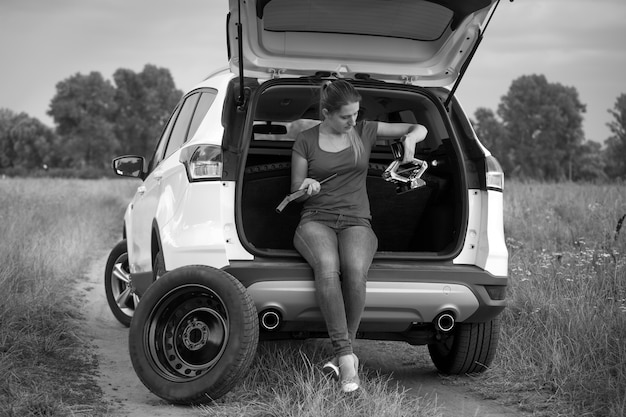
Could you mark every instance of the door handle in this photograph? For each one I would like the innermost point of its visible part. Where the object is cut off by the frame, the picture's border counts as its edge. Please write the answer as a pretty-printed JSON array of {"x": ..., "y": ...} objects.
[
  {"x": 141, "y": 189},
  {"x": 157, "y": 175}
]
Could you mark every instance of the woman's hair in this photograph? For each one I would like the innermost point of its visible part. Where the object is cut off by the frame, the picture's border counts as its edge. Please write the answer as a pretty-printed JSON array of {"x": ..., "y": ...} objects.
[{"x": 333, "y": 96}]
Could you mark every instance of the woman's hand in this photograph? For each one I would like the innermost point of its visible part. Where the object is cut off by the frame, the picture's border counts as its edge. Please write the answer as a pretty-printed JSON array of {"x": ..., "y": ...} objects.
[
  {"x": 412, "y": 138},
  {"x": 312, "y": 186}
]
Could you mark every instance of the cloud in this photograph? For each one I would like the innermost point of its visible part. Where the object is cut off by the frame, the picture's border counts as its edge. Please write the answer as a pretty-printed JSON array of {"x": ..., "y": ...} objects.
[{"x": 574, "y": 42}]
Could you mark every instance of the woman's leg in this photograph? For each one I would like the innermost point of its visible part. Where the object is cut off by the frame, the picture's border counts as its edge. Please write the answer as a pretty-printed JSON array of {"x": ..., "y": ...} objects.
[
  {"x": 357, "y": 246},
  {"x": 317, "y": 243}
]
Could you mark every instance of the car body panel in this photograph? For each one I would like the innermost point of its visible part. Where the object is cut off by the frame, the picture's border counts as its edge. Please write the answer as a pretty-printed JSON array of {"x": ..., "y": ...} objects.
[
  {"x": 484, "y": 244},
  {"x": 195, "y": 235},
  {"x": 492, "y": 254},
  {"x": 139, "y": 223},
  {"x": 398, "y": 293},
  {"x": 386, "y": 302},
  {"x": 420, "y": 42}
]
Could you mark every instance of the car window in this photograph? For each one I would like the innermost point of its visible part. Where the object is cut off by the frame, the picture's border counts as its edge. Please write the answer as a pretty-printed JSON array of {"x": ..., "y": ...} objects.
[
  {"x": 158, "y": 152},
  {"x": 204, "y": 104},
  {"x": 290, "y": 130},
  {"x": 181, "y": 125}
]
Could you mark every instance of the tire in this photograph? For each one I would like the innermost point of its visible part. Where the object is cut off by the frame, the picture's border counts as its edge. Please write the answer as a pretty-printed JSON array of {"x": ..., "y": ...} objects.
[
  {"x": 194, "y": 335},
  {"x": 470, "y": 349},
  {"x": 118, "y": 288}
]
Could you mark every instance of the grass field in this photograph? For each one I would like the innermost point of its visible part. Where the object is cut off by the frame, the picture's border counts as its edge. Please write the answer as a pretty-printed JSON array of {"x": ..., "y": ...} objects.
[
  {"x": 562, "y": 350},
  {"x": 563, "y": 346},
  {"x": 49, "y": 229}
]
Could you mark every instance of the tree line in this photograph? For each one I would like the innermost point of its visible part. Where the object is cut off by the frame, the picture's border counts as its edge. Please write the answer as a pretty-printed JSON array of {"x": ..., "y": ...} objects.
[
  {"x": 95, "y": 119},
  {"x": 536, "y": 131}
]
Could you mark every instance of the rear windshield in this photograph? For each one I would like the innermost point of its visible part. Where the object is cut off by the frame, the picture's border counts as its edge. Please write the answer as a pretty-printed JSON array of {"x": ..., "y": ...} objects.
[{"x": 282, "y": 112}]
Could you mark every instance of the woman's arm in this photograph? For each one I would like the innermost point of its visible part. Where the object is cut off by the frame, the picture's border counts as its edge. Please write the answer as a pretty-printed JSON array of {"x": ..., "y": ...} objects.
[
  {"x": 411, "y": 135},
  {"x": 299, "y": 179}
]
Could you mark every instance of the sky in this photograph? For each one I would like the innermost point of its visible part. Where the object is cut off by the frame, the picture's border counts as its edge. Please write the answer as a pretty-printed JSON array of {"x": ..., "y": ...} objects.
[{"x": 576, "y": 43}]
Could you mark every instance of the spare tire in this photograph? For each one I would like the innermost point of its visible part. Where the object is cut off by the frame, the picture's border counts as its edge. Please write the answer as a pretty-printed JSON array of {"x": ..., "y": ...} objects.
[{"x": 194, "y": 335}]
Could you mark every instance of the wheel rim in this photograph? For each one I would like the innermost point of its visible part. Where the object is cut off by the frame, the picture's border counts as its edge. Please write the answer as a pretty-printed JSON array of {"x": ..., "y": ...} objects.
[
  {"x": 122, "y": 287},
  {"x": 187, "y": 332}
]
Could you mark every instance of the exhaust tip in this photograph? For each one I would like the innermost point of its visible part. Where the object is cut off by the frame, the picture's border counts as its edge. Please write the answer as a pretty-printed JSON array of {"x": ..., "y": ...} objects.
[
  {"x": 444, "y": 322},
  {"x": 270, "y": 320}
]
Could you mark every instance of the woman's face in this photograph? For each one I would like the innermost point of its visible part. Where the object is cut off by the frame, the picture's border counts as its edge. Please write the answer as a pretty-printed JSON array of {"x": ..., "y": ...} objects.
[{"x": 344, "y": 119}]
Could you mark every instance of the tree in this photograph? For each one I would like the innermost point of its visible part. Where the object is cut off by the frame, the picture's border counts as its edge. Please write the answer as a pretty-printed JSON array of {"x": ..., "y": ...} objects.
[
  {"x": 25, "y": 142},
  {"x": 493, "y": 136},
  {"x": 544, "y": 123},
  {"x": 615, "y": 154},
  {"x": 7, "y": 152},
  {"x": 144, "y": 102},
  {"x": 83, "y": 109},
  {"x": 589, "y": 163}
]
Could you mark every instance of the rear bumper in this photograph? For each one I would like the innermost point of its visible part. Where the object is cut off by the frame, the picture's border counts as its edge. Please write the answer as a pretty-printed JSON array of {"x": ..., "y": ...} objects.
[{"x": 399, "y": 295}]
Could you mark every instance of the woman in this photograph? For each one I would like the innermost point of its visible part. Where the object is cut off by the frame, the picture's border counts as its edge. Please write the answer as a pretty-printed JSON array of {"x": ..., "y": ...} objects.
[{"x": 334, "y": 234}]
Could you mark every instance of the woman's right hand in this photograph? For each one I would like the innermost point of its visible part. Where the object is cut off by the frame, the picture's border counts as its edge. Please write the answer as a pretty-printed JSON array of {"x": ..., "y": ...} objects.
[{"x": 312, "y": 186}]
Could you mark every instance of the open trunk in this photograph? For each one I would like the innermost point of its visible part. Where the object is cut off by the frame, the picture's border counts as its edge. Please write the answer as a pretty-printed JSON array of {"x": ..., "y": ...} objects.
[{"x": 424, "y": 222}]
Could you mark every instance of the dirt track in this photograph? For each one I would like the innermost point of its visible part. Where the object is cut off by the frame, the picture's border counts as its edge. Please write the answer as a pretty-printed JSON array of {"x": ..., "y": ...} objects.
[{"x": 128, "y": 397}]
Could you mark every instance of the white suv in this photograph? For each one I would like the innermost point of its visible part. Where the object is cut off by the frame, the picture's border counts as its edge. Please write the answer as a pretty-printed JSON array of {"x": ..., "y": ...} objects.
[{"x": 212, "y": 260}]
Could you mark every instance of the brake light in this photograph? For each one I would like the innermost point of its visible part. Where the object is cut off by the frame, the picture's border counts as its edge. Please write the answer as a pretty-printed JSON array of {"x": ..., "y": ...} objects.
[
  {"x": 202, "y": 162},
  {"x": 494, "y": 174}
]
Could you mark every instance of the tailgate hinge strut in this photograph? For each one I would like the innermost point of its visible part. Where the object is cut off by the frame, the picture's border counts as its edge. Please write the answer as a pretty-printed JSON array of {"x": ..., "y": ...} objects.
[{"x": 242, "y": 96}]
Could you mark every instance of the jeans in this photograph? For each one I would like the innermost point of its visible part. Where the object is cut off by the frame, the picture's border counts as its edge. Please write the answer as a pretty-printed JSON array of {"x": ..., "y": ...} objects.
[{"x": 340, "y": 250}]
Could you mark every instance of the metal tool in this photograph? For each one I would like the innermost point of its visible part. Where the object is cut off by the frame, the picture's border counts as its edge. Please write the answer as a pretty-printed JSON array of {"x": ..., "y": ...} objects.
[{"x": 297, "y": 194}]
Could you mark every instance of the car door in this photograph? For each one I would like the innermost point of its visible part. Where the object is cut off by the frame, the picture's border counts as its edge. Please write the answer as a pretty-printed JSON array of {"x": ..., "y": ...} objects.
[{"x": 148, "y": 209}]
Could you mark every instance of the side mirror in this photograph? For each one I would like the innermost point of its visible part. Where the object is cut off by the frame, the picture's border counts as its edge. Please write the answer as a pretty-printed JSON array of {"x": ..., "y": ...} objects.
[{"x": 129, "y": 166}]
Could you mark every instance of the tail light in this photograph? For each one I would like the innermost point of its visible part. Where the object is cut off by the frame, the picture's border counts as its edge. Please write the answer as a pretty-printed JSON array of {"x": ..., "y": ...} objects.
[
  {"x": 202, "y": 162},
  {"x": 494, "y": 174}
]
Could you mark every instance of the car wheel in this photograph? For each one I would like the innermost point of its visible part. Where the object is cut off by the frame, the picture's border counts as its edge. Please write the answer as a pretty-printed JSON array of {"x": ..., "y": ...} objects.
[
  {"x": 470, "y": 348},
  {"x": 118, "y": 287},
  {"x": 194, "y": 335}
]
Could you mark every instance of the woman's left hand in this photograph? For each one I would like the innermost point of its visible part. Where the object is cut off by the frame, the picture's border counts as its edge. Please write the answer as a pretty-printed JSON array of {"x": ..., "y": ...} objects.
[{"x": 411, "y": 139}]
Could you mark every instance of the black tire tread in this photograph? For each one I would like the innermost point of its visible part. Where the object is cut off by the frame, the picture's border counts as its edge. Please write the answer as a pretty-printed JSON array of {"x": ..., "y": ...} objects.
[
  {"x": 116, "y": 252},
  {"x": 472, "y": 351}
]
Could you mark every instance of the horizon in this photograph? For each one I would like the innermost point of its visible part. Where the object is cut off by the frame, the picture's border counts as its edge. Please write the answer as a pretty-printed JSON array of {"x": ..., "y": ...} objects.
[{"x": 70, "y": 37}]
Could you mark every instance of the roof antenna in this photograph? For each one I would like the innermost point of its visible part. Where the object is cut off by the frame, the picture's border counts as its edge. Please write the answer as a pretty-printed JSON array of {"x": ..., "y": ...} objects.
[
  {"x": 241, "y": 98},
  {"x": 470, "y": 56}
]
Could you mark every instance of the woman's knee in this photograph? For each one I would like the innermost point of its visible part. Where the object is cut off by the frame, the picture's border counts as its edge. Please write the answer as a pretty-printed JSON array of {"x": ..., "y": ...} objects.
[{"x": 354, "y": 276}]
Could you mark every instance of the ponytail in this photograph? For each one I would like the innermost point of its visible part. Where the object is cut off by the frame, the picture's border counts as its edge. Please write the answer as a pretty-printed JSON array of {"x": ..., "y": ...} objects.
[{"x": 334, "y": 95}]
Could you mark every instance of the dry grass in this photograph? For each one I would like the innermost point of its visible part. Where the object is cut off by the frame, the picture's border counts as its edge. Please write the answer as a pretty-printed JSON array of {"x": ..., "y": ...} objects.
[
  {"x": 562, "y": 351},
  {"x": 49, "y": 230},
  {"x": 286, "y": 381},
  {"x": 563, "y": 347}
]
